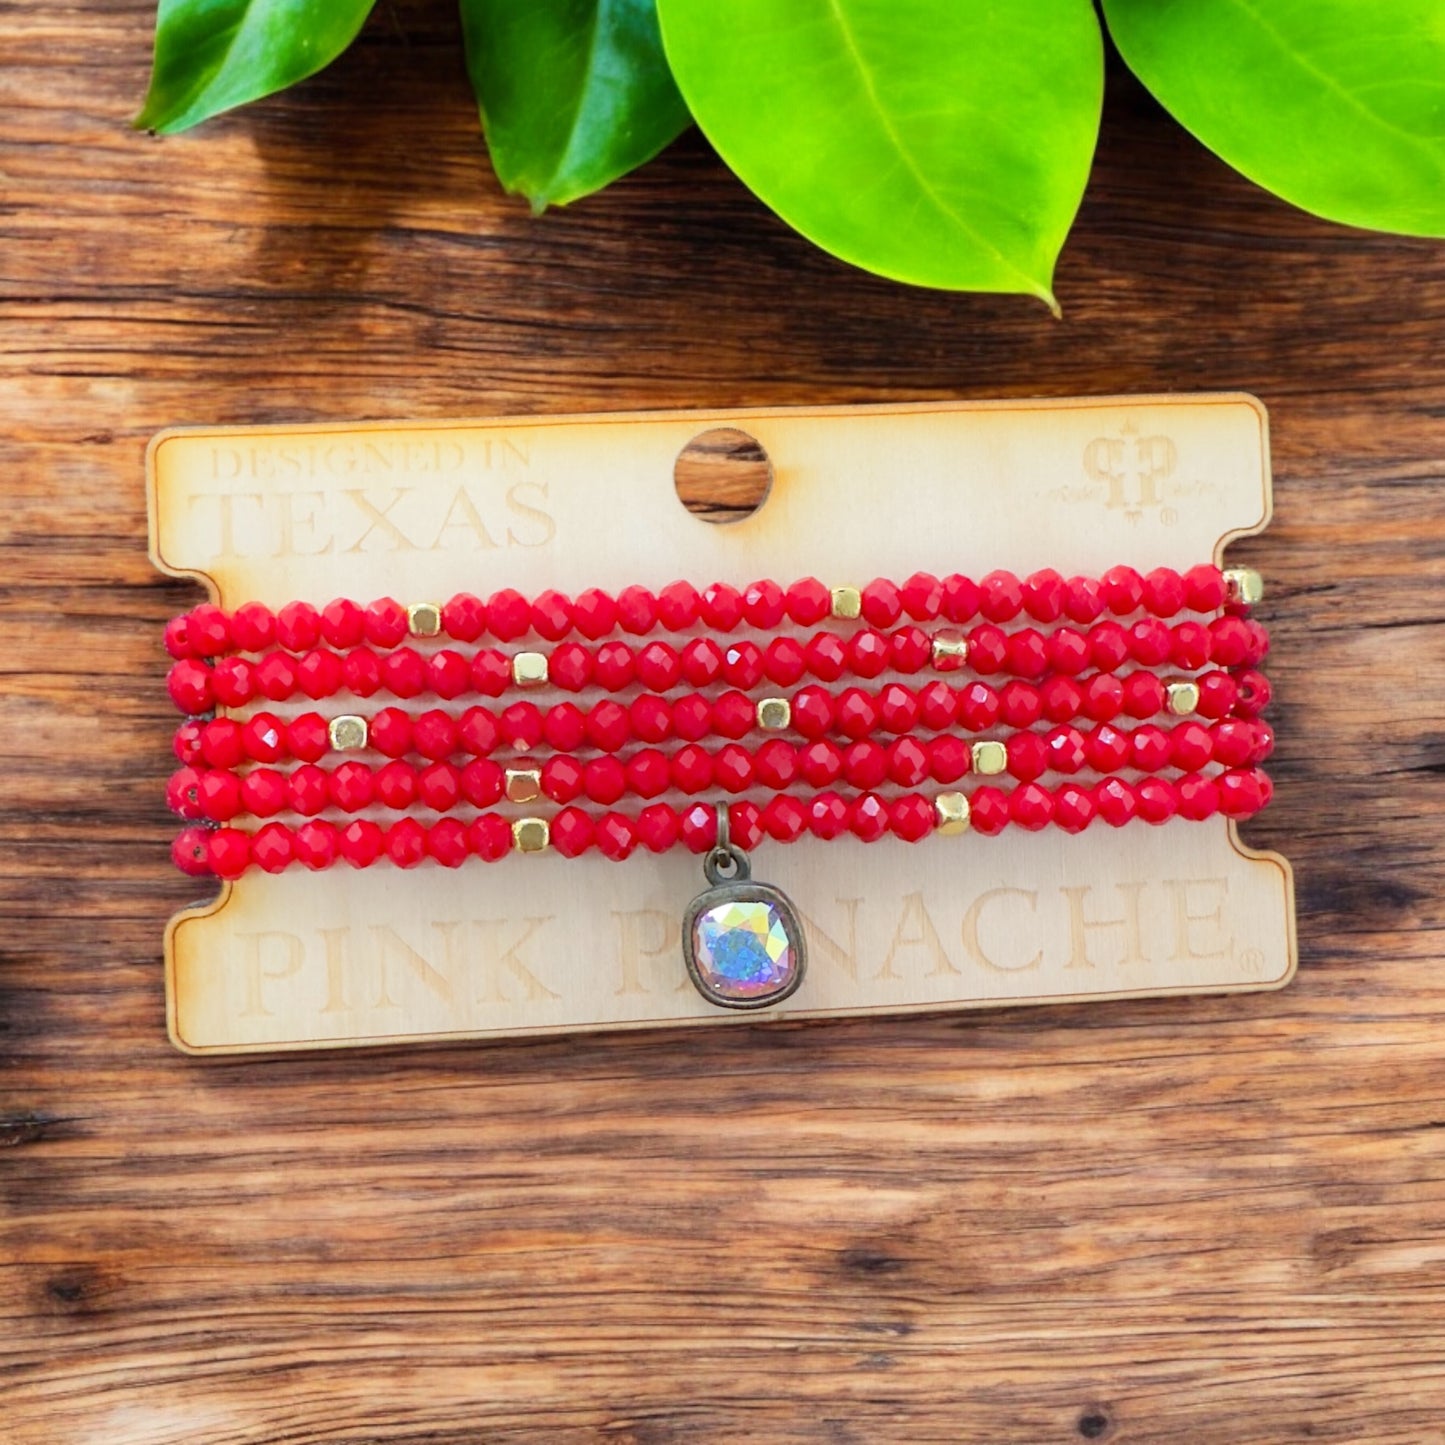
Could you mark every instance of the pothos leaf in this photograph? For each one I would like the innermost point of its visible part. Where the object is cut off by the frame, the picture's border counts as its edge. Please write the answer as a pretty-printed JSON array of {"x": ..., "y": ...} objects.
[
  {"x": 937, "y": 142},
  {"x": 1336, "y": 105},
  {"x": 212, "y": 55},
  {"x": 573, "y": 93}
]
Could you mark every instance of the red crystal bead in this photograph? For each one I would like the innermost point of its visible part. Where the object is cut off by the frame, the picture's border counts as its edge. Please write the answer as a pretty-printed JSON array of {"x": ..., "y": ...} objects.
[
  {"x": 1031, "y": 807},
  {"x": 479, "y": 731},
  {"x": 307, "y": 737},
  {"x": 604, "y": 780},
  {"x": 1108, "y": 646},
  {"x": 908, "y": 762},
  {"x": 276, "y": 676},
  {"x": 692, "y": 717},
  {"x": 183, "y": 794},
  {"x": 298, "y": 627},
  {"x": 808, "y": 601},
  {"x": 551, "y": 615},
  {"x": 1116, "y": 801},
  {"x": 386, "y": 622},
  {"x": 319, "y": 674},
  {"x": 307, "y": 790},
  {"x": 361, "y": 672},
  {"x": 1074, "y": 808},
  {"x": 1198, "y": 797},
  {"x": 987, "y": 649},
  {"x": 395, "y": 784},
  {"x": 1218, "y": 693},
  {"x": 490, "y": 837},
  {"x": 636, "y": 611},
  {"x": 699, "y": 827},
  {"x": 1068, "y": 651},
  {"x": 701, "y": 662},
  {"x": 491, "y": 672},
  {"x": 594, "y": 613},
  {"x": 1123, "y": 590},
  {"x": 937, "y": 705},
  {"x": 315, "y": 844},
  {"x": 1241, "y": 794},
  {"x": 223, "y": 743},
  {"x": 449, "y": 674},
  {"x": 360, "y": 842},
  {"x": 1001, "y": 597},
  {"x": 350, "y": 786},
  {"x": 406, "y": 843},
  {"x": 658, "y": 827},
  {"x": 616, "y": 836},
  {"x": 1232, "y": 742},
  {"x": 1028, "y": 757},
  {"x": 1020, "y": 704},
  {"x": 434, "y": 734},
  {"x": 464, "y": 618},
  {"x": 1108, "y": 748},
  {"x": 856, "y": 715},
  {"x": 1158, "y": 800},
  {"x": 948, "y": 759},
  {"x": 1150, "y": 748},
  {"x": 820, "y": 763},
  {"x": 189, "y": 684},
  {"x": 614, "y": 666},
  {"x": 721, "y": 607},
  {"x": 1231, "y": 641},
  {"x": 1190, "y": 645},
  {"x": 521, "y": 726},
  {"x": 979, "y": 707},
  {"x": 922, "y": 596},
  {"x": 659, "y": 667},
  {"x": 743, "y": 664},
  {"x": 390, "y": 732},
  {"x": 865, "y": 764},
  {"x": 784, "y": 819},
  {"x": 651, "y": 718},
  {"x": 508, "y": 615},
  {"x": 988, "y": 811},
  {"x": 571, "y": 832},
  {"x": 446, "y": 841},
  {"x": 208, "y": 631},
  {"x": 868, "y": 818},
  {"x": 897, "y": 709},
  {"x": 960, "y": 598},
  {"x": 1060, "y": 698},
  {"x": 187, "y": 742},
  {"x": 273, "y": 847},
  {"x": 691, "y": 768},
  {"x": 570, "y": 667},
  {"x": 647, "y": 773},
  {"x": 868, "y": 653},
  {"x": 253, "y": 627},
  {"x": 482, "y": 779},
  {"x": 1191, "y": 746},
  {"x": 233, "y": 682},
  {"x": 563, "y": 780},
  {"x": 1044, "y": 593},
  {"x": 404, "y": 672},
  {"x": 1083, "y": 599},
  {"x": 1164, "y": 592},
  {"x": 439, "y": 786},
  {"x": 228, "y": 851},
  {"x": 1203, "y": 588},
  {"x": 1103, "y": 697},
  {"x": 1150, "y": 641},
  {"x": 763, "y": 605},
  {"x": 1027, "y": 653},
  {"x": 343, "y": 623},
  {"x": 910, "y": 649},
  {"x": 733, "y": 715},
  {"x": 1252, "y": 693},
  {"x": 219, "y": 791},
  {"x": 732, "y": 768},
  {"x": 677, "y": 606},
  {"x": 827, "y": 656},
  {"x": 1144, "y": 694},
  {"x": 1066, "y": 749},
  {"x": 608, "y": 725},
  {"x": 882, "y": 603},
  {"x": 564, "y": 726},
  {"x": 828, "y": 816},
  {"x": 911, "y": 817},
  {"x": 784, "y": 662},
  {"x": 775, "y": 764}
]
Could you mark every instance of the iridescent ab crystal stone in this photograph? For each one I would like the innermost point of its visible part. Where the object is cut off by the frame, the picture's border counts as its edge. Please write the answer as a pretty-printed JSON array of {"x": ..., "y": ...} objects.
[{"x": 742, "y": 951}]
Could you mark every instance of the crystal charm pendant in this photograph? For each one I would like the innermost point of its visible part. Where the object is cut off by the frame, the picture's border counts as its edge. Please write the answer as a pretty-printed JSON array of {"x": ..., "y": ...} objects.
[{"x": 742, "y": 940}]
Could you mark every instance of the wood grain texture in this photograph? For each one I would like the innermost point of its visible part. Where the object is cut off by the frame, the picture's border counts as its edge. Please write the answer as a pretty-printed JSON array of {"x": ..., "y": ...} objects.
[{"x": 1214, "y": 1221}]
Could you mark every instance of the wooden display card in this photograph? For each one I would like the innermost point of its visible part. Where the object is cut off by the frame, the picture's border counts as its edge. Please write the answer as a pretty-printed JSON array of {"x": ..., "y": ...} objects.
[{"x": 544, "y": 944}]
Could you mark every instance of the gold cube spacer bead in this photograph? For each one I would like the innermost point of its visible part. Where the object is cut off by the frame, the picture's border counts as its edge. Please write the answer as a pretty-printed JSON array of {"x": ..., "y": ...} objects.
[
  {"x": 774, "y": 713},
  {"x": 952, "y": 812},
  {"x": 524, "y": 785},
  {"x": 424, "y": 619},
  {"x": 950, "y": 650},
  {"x": 348, "y": 733},
  {"x": 529, "y": 669},
  {"x": 1182, "y": 697},
  {"x": 531, "y": 835},
  {"x": 1243, "y": 586},
  {"x": 847, "y": 602},
  {"x": 989, "y": 757}
]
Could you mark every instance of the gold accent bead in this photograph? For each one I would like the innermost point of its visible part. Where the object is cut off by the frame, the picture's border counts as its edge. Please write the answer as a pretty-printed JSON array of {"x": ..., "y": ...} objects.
[
  {"x": 847, "y": 602},
  {"x": 348, "y": 733},
  {"x": 531, "y": 835},
  {"x": 774, "y": 713},
  {"x": 1243, "y": 586},
  {"x": 952, "y": 811},
  {"x": 950, "y": 650},
  {"x": 424, "y": 619},
  {"x": 1183, "y": 697},
  {"x": 529, "y": 669},
  {"x": 989, "y": 757},
  {"x": 524, "y": 785}
]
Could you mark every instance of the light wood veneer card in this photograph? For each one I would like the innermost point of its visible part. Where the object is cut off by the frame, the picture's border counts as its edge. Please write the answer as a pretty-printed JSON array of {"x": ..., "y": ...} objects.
[{"x": 543, "y": 944}]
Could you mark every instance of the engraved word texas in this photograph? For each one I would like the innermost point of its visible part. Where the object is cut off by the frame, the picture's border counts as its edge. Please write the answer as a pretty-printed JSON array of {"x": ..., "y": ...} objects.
[
  {"x": 343, "y": 495},
  {"x": 481, "y": 972}
]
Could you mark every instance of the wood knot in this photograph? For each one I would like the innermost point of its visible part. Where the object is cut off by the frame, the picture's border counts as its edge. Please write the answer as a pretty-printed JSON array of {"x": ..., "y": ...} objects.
[{"x": 1095, "y": 1423}]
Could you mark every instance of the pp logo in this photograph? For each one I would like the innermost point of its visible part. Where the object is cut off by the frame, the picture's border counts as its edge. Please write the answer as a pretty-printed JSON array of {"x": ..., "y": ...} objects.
[{"x": 1133, "y": 470}]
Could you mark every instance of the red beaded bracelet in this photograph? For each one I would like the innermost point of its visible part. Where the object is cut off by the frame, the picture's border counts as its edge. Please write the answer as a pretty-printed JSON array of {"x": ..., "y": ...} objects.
[
  {"x": 1045, "y": 596},
  {"x": 1229, "y": 641}
]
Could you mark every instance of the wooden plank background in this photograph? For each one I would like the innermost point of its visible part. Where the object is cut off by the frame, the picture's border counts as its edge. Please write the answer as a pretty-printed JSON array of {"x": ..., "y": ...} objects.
[{"x": 1213, "y": 1221}]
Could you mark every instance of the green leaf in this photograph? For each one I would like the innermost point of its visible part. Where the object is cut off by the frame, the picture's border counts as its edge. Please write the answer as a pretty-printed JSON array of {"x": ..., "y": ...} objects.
[
  {"x": 1336, "y": 105},
  {"x": 573, "y": 93},
  {"x": 215, "y": 54},
  {"x": 941, "y": 142}
]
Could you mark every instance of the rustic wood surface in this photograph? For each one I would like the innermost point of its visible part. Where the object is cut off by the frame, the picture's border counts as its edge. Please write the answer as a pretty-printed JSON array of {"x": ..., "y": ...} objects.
[{"x": 1213, "y": 1221}]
